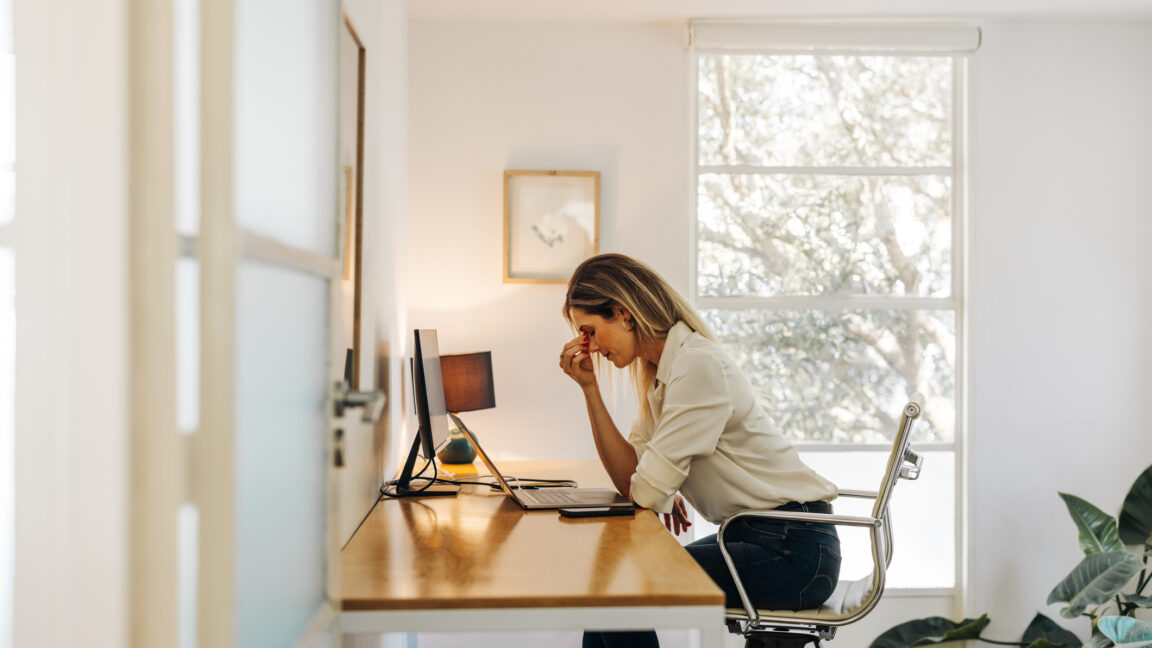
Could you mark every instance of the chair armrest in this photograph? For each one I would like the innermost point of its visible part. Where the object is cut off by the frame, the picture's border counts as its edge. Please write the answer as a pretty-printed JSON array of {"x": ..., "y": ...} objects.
[
  {"x": 849, "y": 492},
  {"x": 799, "y": 516},
  {"x": 803, "y": 516}
]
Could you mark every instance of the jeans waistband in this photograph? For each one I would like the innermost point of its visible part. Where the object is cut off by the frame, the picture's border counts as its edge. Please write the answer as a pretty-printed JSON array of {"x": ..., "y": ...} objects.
[{"x": 790, "y": 528}]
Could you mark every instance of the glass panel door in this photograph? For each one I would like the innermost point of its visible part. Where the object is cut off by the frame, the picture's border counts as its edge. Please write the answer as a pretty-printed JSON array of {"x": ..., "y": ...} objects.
[
  {"x": 285, "y": 184},
  {"x": 266, "y": 247}
]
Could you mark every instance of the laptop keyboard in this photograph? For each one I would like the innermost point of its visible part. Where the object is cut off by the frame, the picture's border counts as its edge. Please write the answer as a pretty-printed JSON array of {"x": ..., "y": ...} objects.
[{"x": 548, "y": 496}]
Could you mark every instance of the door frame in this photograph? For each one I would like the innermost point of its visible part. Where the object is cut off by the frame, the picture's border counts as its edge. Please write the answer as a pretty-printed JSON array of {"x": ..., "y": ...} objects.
[{"x": 70, "y": 238}]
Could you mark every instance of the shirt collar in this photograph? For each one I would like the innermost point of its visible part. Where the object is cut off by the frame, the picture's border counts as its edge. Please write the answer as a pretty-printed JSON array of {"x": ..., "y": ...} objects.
[{"x": 677, "y": 335}]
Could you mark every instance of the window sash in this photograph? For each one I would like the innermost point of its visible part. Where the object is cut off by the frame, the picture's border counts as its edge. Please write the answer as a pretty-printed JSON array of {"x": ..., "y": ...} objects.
[
  {"x": 952, "y": 302},
  {"x": 955, "y": 171}
]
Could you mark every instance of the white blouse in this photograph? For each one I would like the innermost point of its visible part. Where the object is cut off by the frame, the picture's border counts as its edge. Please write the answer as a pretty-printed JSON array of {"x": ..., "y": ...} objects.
[{"x": 711, "y": 440}]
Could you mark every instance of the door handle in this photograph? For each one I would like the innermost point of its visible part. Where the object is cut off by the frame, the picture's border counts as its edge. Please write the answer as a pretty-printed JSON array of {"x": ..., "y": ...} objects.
[{"x": 344, "y": 398}]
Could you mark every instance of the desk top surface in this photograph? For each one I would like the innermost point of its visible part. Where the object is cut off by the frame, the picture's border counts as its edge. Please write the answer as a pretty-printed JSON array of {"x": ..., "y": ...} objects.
[{"x": 480, "y": 550}]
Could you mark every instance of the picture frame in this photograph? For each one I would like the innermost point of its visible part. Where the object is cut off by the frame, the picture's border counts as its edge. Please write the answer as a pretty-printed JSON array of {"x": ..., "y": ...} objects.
[{"x": 551, "y": 224}]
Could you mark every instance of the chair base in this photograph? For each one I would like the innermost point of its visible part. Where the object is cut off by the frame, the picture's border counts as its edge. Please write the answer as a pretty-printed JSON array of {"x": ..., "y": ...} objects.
[
  {"x": 781, "y": 637},
  {"x": 780, "y": 641}
]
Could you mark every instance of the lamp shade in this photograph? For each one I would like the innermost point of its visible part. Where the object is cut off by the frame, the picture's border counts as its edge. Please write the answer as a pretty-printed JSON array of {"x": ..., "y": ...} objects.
[{"x": 468, "y": 381}]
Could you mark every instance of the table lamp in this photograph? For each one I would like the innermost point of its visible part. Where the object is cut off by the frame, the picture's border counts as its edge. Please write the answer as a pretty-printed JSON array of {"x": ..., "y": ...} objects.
[{"x": 467, "y": 387}]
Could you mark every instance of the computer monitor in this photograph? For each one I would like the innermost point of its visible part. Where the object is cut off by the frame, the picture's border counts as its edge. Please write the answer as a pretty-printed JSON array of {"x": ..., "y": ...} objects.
[{"x": 431, "y": 415}]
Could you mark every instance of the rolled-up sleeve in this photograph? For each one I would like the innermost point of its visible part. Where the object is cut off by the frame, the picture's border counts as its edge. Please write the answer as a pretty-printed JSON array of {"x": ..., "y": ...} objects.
[
  {"x": 639, "y": 435},
  {"x": 697, "y": 407}
]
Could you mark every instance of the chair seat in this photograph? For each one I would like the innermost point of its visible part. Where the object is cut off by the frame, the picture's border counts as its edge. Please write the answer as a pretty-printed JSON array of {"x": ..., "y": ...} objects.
[{"x": 846, "y": 600}]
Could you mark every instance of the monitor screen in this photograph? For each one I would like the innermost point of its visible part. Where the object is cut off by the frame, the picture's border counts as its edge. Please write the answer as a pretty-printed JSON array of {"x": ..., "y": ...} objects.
[
  {"x": 428, "y": 390},
  {"x": 432, "y": 418}
]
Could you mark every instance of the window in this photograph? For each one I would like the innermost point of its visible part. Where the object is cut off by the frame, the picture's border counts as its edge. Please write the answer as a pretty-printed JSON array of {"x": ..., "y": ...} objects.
[{"x": 827, "y": 261}]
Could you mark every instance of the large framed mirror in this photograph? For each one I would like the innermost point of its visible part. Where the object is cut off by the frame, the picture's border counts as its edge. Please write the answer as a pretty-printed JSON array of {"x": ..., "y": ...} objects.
[{"x": 352, "y": 59}]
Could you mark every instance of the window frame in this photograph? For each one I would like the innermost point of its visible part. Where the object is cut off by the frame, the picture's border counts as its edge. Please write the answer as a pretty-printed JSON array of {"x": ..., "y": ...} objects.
[{"x": 955, "y": 301}]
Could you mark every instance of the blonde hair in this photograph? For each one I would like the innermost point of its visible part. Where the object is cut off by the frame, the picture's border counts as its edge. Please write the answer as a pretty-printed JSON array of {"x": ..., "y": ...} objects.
[{"x": 603, "y": 282}]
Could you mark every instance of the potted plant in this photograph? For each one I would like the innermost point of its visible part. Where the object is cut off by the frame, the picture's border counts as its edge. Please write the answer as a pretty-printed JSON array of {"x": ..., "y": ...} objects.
[{"x": 1108, "y": 585}]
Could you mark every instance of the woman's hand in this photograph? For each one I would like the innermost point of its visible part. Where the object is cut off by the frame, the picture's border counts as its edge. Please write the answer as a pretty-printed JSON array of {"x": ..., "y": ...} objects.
[
  {"x": 577, "y": 362},
  {"x": 677, "y": 520}
]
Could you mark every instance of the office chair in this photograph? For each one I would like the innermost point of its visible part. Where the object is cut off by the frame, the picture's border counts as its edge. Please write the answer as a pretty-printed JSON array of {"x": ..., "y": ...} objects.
[{"x": 851, "y": 600}]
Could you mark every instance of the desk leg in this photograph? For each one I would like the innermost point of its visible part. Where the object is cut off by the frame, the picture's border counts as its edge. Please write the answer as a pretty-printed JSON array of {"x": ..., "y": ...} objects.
[{"x": 711, "y": 635}]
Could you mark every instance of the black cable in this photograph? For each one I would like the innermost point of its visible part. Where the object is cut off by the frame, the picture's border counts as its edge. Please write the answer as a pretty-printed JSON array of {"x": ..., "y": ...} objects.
[
  {"x": 542, "y": 482},
  {"x": 513, "y": 482},
  {"x": 429, "y": 481},
  {"x": 516, "y": 482}
]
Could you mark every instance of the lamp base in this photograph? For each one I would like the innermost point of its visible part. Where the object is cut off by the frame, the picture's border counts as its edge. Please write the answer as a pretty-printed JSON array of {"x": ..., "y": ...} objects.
[{"x": 457, "y": 450}]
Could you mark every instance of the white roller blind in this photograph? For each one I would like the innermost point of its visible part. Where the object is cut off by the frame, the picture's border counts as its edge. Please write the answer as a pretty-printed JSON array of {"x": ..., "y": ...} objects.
[{"x": 955, "y": 39}]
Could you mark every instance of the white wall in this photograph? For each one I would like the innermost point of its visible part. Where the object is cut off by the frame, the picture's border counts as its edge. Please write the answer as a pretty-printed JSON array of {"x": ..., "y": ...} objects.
[
  {"x": 486, "y": 97},
  {"x": 382, "y": 27},
  {"x": 1058, "y": 303},
  {"x": 1060, "y": 306}
]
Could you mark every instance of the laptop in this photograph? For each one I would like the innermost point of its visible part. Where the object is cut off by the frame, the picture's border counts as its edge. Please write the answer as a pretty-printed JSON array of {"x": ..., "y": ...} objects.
[{"x": 545, "y": 498}]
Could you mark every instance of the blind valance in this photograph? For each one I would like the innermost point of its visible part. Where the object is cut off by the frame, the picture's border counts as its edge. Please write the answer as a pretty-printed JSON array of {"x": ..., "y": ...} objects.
[{"x": 955, "y": 39}]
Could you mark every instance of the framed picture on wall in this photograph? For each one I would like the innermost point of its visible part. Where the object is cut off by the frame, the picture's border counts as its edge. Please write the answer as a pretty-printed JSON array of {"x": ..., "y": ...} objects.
[{"x": 551, "y": 224}]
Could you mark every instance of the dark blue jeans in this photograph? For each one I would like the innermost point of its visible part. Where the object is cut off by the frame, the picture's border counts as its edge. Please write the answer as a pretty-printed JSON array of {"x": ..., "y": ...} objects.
[{"x": 784, "y": 565}]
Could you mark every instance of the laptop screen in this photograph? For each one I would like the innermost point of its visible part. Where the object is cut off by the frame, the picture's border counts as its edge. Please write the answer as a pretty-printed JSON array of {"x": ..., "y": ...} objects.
[{"x": 483, "y": 455}]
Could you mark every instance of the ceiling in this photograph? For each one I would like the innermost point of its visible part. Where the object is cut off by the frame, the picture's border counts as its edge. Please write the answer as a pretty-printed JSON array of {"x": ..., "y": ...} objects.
[{"x": 657, "y": 10}]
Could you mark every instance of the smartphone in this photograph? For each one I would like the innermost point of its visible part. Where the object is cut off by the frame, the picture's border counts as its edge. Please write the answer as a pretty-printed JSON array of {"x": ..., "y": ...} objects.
[{"x": 597, "y": 511}]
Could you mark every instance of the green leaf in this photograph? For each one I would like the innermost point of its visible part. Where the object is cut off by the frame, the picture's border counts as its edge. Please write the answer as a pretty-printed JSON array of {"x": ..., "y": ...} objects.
[
  {"x": 1096, "y": 579},
  {"x": 1136, "y": 514},
  {"x": 1044, "y": 629},
  {"x": 1142, "y": 601},
  {"x": 1044, "y": 643},
  {"x": 1098, "y": 639},
  {"x": 1098, "y": 530},
  {"x": 1126, "y": 632},
  {"x": 931, "y": 630}
]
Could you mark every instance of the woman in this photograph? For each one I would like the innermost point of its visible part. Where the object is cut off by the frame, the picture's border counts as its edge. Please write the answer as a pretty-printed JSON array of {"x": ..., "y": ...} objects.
[{"x": 700, "y": 435}]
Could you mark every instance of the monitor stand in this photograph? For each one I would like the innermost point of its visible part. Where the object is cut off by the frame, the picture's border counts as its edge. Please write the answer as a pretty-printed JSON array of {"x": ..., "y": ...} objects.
[{"x": 403, "y": 487}]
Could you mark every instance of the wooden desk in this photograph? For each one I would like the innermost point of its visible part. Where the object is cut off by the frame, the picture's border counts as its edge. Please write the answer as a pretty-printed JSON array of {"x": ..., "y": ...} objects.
[{"x": 477, "y": 561}]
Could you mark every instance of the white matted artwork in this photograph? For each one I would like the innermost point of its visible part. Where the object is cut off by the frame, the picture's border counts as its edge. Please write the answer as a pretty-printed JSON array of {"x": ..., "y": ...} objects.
[{"x": 551, "y": 223}]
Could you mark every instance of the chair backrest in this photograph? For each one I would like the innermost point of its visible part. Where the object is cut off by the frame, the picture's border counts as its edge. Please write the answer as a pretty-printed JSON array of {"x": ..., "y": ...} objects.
[
  {"x": 855, "y": 599},
  {"x": 903, "y": 462}
]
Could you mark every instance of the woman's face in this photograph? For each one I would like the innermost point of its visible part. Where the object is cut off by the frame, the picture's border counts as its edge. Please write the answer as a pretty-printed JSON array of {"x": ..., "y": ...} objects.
[{"x": 612, "y": 338}]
